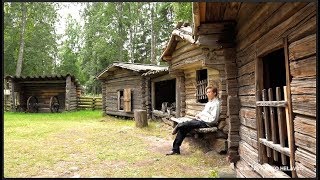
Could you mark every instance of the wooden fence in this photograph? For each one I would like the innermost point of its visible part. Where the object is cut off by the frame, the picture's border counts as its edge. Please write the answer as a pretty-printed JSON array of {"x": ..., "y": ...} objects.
[{"x": 89, "y": 103}]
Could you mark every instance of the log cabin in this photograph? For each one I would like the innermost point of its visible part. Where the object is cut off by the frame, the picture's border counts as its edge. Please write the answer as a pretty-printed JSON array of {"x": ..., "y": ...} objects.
[
  {"x": 270, "y": 69},
  {"x": 43, "y": 93},
  {"x": 129, "y": 86}
]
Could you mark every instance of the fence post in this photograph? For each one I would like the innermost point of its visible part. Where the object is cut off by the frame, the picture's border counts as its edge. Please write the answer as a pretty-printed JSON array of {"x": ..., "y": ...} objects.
[{"x": 93, "y": 103}]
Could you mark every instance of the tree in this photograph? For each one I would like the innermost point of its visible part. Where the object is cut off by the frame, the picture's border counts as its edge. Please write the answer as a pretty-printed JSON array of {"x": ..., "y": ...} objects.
[
  {"x": 36, "y": 46},
  {"x": 21, "y": 48},
  {"x": 182, "y": 11}
]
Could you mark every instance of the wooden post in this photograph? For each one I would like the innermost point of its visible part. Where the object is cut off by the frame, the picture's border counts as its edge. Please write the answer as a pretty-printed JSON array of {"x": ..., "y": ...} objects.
[
  {"x": 266, "y": 121},
  {"x": 258, "y": 84},
  {"x": 93, "y": 103},
  {"x": 68, "y": 93},
  {"x": 13, "y": 100},
  {"x": 104, "y": 97},
  {"x": 281, "y": 125},
  {"x": 140, "y": 117},
  {"x": 287, "y": 97},
  {"x": 273, "y": 125}
]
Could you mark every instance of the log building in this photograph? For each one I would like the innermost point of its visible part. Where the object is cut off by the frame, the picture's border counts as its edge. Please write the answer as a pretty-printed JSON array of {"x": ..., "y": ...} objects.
[
  {"x": 127, "y": 86},
  {"x": 263, "y": 58},
  {"x": 43, "y": 92}
]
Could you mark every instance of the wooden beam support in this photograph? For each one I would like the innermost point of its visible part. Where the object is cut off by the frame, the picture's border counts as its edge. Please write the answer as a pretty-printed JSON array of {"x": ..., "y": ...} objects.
[
  {"x": 277, "y": 147},
  {"x": 287, "y": 97},
  {"x": 272, "y": 103}
]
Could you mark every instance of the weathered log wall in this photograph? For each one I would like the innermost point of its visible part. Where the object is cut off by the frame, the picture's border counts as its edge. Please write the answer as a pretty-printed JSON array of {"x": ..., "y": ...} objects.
[
  {"x": 259, "y": 32},
  {"x": 123, "y": 79}
]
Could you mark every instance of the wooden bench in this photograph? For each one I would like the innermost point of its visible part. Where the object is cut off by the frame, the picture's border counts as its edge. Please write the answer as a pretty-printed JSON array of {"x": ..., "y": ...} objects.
[{"x": 199, "y": 130}]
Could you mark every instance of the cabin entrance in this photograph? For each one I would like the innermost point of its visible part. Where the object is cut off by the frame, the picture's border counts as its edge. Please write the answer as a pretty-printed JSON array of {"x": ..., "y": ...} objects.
[{"x": 164, "y": 92}]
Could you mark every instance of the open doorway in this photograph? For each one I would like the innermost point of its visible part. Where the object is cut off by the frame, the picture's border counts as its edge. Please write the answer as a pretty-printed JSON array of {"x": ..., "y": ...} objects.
[{"x": 165, "y": 91}]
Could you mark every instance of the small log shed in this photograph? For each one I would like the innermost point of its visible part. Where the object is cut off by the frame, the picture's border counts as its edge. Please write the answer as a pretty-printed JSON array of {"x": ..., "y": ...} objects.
[
  {"x": 127, "y": 86},
  {"x": 66, "y": 88},
  {"x": 269, "y": 68}
]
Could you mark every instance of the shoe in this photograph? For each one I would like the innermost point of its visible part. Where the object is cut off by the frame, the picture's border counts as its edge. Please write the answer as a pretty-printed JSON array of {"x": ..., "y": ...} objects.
[
  {"x": 173, "y": 153},
  {"x": 175, "y": 130}
]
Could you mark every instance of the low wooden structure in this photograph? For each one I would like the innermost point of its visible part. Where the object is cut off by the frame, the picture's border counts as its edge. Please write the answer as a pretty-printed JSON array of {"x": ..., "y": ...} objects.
[
  {"x": 127, "y": 86},
  {"x": 43, "y": 93},
  {"x": 268, "y": 75}
]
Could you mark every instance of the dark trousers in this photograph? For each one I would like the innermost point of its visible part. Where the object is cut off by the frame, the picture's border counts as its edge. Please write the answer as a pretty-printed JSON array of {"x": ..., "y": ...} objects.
[{"x": 183, "y": 129}]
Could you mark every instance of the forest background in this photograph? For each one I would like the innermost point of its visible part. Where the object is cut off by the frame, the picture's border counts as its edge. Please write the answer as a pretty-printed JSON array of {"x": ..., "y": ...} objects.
[{"x": 133, "y": 32}]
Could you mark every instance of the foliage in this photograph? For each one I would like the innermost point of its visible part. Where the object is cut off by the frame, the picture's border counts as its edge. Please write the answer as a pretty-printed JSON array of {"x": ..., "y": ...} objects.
[
  {"x": 112, "y": 31},
  {"x": 183, "y": 11},
  {"x": 40, "y": 37}
]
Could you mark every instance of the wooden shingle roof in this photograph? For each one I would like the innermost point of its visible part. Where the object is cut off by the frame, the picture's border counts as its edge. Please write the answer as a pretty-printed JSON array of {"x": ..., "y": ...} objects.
[
  {"x": 136, "y": 67},
  {"x": 43, "y": 78}
]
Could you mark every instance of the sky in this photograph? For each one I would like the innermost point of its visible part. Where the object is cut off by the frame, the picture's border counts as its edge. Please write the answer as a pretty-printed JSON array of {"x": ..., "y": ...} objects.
[{"x": 73, "y": 9}]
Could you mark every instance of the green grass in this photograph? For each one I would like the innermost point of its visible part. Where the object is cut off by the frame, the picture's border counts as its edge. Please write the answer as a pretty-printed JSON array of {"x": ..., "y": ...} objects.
[{"x": 86, "y": 144}]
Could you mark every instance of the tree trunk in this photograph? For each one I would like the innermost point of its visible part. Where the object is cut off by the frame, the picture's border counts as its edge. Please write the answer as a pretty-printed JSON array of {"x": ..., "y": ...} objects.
[
  {"x": 153, "y": 37},
  {"x": 23, "y": 28},
  {"x": 120, "y": 30}
]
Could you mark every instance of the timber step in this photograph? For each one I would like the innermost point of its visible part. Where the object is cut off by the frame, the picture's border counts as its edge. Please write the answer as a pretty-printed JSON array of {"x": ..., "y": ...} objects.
[{"x": 199, "y": 130}]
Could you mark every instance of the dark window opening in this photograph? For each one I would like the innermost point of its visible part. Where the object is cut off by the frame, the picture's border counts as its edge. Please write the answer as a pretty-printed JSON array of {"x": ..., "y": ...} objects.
[
  {"x": 165, "y": 91},
  {"x": 274, "y": 71},
  {"x": 274, "y": 75},
  {"x": 120, "y": 100},
  {"x": 202, "y": 82}
]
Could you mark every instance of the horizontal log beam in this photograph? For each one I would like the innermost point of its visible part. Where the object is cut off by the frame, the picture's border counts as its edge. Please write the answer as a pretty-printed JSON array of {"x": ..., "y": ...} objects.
[
  {"x": 277, "y": 147},
  {"x": 272, "y": 103}
]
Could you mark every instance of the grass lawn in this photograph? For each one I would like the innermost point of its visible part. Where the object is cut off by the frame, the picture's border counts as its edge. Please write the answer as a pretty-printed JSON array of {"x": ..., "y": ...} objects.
[{"x": 85, "y": 144}]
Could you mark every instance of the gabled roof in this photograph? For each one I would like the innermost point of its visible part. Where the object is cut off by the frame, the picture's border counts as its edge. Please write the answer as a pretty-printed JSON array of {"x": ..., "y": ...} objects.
[{"x": 136, "y": 67}]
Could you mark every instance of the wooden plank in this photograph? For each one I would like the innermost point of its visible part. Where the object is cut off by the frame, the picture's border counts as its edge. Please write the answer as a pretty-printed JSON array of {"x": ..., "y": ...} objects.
[
  {"x": 275, "y": 147},
  {"x": 246, "y": 80},
  {"x": 267, "y": 171},
  {"x": 304, "y": 104},
  {"x": 303, "y": 48},
  {"x": 248, "y": 117},
  {"x": 305, "y": 125},
  {"x": 259, "y": 16},
  {"x": 305, "y": 142},
  {"x": 306, "y": 158},
  {"x": 247, "y": 90},
  {"x": 272, "y": 103},
  {"x": 301, "y": 86},
  {"x": 186, "y": 48},
  {"x": 248, "y": 153},
  {"x": 273, "y": 23},
  {"x": 231, "y": 11},
  {"x": 281, "y": 125},
  {"x": 303, "y": 172},
  {"x": 245, "y": 12},
  {"x": 306, "y": 27},
  {"x": 303, "y": 68},
  {"x": 288, "y": 109},
  {"x": 273, "y": 124},
  {"x": 246, "y": 169},
  {"x": 127, "y": 100},
  {"x": 273, "y": 39},
  {"x": 249, "y": 136},
  {"x": 267, "y": 129},
  {"x": 247, "y": 101},
  {"x": 258, "y": 86}
]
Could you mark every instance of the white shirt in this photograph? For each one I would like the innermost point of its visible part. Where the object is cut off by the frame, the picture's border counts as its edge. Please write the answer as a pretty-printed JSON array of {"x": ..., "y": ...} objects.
[{"x": 211, "y": 112}]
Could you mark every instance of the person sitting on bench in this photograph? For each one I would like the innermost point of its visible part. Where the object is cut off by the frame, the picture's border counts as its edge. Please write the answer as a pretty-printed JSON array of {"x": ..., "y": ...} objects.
[{"x": 206, "y": 118}]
